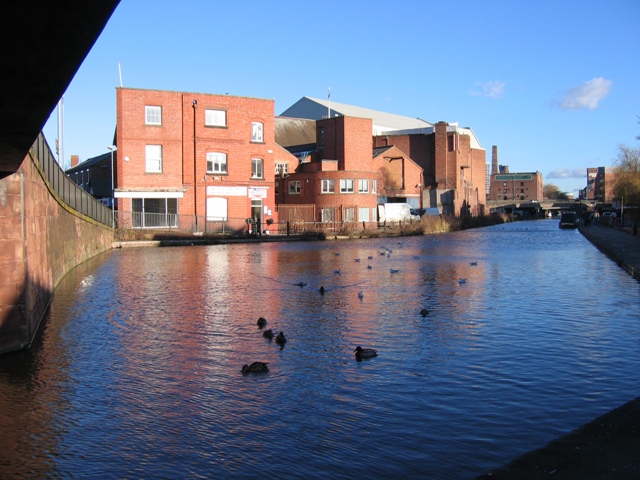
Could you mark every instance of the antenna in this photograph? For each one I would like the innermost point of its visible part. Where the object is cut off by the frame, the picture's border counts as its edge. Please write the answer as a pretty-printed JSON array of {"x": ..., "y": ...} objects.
[{"x": 120, "y": 73}]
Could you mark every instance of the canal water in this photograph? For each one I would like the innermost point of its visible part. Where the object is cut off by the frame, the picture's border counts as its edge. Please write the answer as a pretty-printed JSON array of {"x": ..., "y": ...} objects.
[{"x": 136, "y": 373}]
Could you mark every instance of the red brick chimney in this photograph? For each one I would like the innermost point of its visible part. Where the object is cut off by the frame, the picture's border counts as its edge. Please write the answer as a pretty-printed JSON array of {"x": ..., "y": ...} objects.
[
  {"x": 75, "y": 160},
  {"x": 494, "y": 160}
]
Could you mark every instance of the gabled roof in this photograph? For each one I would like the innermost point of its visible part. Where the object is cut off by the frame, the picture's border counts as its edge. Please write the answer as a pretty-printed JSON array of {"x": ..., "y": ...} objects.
[
  {"x": 88, "y": 163},
  {"x": 295, "y": 131},
  {"x": 380, "y": 150},
  {"x": 316, "y": 109},
  {"x": 383, "y": 123}
]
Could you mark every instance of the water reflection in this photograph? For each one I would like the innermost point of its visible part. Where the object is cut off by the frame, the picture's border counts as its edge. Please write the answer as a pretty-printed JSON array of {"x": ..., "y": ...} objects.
[{"x": 137, "y": 373}]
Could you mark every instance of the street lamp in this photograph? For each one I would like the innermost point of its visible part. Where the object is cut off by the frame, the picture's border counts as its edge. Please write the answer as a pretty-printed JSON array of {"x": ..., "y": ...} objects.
[{"x": 113, "y": 148}]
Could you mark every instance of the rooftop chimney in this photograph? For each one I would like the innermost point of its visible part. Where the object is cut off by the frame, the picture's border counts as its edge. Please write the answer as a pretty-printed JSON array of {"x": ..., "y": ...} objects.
[
  {"x": 75, "y": 160},
  {"x": 494, "y": 160}
]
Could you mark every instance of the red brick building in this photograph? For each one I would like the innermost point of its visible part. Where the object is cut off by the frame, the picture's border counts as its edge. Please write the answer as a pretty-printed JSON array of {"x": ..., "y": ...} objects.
[
  {"x": 345, "y": 178},
  {"x": 194, "y": 158},
  {"x": 516, "y": 187},
  {"x": 452, "y": 160}
]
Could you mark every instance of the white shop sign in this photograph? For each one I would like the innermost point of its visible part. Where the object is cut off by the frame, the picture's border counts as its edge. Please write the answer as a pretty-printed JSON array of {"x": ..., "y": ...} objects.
[{"x": 227, "y": 191}]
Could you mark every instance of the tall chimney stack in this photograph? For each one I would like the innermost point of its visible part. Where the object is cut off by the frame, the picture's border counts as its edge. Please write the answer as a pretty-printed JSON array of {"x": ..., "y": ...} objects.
[
  {"x": 75, "y": 159},
  {"x": 494, "y": 160}
]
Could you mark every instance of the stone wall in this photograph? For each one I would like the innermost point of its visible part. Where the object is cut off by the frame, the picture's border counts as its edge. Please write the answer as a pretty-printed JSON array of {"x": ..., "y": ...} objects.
[{"x": 41, "y": 239}]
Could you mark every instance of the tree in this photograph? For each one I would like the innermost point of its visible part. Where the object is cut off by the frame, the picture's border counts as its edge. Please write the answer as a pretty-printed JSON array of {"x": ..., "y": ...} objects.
[
  {"x": 552, "y": 192},
  {"x": 626, "y": 181}
]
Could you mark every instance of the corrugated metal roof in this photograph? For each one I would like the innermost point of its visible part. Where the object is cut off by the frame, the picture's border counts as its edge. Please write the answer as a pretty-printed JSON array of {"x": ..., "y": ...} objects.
[{"x": 295, "y": 131}]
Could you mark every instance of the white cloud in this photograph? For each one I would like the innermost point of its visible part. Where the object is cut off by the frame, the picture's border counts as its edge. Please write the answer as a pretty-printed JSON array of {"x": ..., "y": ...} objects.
[
  {"x": 563, "y": 173},
  {"x": 587, "y": 95},
  {"x": 488, "y": 89}
]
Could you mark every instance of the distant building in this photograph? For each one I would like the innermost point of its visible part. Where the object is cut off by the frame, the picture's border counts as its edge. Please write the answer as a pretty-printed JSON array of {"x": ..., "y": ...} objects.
[
  {"x": 452, "y": 159},
  {"x": 599, "y": 185},
  {"x": 93, "y": 176},
  {"x": 516, "y": 187}
]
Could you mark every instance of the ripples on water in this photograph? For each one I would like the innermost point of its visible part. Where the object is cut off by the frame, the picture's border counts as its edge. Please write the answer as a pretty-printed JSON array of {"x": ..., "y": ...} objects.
[{"x": 137, "y": 371}]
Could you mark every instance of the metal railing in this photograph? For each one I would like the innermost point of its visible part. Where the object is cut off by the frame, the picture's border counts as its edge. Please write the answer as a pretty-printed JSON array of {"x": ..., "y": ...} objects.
[{"x": 65, "y": 189}]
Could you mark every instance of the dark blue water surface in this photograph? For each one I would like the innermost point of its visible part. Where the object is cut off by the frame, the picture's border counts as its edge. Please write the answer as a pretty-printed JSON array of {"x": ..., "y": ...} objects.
[{"x": 137, "y": 370}]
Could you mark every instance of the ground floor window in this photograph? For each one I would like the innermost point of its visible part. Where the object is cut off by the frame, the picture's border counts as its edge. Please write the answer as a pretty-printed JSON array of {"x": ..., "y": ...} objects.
[
  {"x": 154, "y": 212},
  {"x": 328, "y": 215},
  {"x": 349, "y": 214},
  {"x": 363, "y": 214}
]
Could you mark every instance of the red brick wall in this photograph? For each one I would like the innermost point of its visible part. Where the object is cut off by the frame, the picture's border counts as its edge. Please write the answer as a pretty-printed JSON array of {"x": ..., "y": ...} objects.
[{"x": 39, "y": 243}]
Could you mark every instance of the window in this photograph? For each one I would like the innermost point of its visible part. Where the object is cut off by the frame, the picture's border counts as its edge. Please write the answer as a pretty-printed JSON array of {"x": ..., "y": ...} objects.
[
  {"x": 374, "y": 187},
  {"x": 215, "y": 118},
  {"x": 363, "y": 214},
  {"x": 216, "y": 162},
  {"x": 294, "y": 186},
  {"x": 155, "y": 212},
  {"x": 257, "y": 168},
  {"x": 346, "y": 185},
  {"x": 363, "y": 186},
  {"x": 154, "y": 158},
  {"x": 328, "y": 185},
  {"x": 328, "y": 215},
  {"x": 282, "y": 168},
  {"x": 349, "y": 214},
  {"x": 152, "y": 115},
  {"x": 374, "y": 214},
  {"x": 257, "y": 130}
]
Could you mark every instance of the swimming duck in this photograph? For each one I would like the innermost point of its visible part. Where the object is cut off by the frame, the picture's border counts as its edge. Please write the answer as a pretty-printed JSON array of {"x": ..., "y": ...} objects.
[
  {"x": 365, "y": 353},
  {"x": 370, "y": 257},
  {"x": 360, "y": 295},
  {"x": 462, "y": 280},
  {"x": 268, "y": 334},
  {"x": 474, "y": 264},
  {"x": 255, "y": 367},
  {"x": 281, "y": 339},
  {"x": 424, "y": 312},
  {"x": 337, "y": 272},
  {"x": 393, "y": 270},
  {"x": 322, "y": 290},
  {"x": 369, "y": 267},
  {"x": 262, "y": 322},
  {"x": 301, "y": 284}
]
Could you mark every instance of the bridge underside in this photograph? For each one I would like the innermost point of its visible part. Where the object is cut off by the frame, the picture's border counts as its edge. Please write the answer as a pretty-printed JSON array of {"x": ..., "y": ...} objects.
[{"x": 43, "y": 45}]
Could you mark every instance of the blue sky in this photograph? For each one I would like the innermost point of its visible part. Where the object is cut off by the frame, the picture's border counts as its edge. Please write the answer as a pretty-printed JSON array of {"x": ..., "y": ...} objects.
[{"x": 554, "y": 84}]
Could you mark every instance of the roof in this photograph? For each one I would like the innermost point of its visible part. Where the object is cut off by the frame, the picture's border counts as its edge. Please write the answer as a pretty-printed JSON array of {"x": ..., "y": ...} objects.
[
  {"x": 295, "y": 131},
  {"x": 88, "y": 163},
  {"x": 316, "y": 109},
  {"x": 380, "y": 150},
  {"x": 383, "y": 123}
]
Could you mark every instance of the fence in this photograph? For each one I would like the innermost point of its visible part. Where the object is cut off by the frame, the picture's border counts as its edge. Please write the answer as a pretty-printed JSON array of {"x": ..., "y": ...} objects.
[{"x": 65, "y": 189}]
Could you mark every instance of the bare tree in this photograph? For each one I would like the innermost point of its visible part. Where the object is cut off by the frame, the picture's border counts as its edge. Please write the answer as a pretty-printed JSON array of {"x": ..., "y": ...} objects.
[
  {"x": 626, "y": 183},
  {"x": 552, "y": 192}
]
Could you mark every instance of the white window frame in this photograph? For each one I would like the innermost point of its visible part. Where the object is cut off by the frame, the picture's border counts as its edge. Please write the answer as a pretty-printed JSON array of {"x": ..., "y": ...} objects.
[
  {"x": 374, "y": 186},
  {"x": 152, "y": 115},
  {"x": 257, "y": 168},
  {"x": 346, "y": 185},
  {"x": 363, "y": 214},
  {"x": 328, "y": 185},
  {"x": 363, "y": 185},
  {"x": 282, "y": 168},
  {"x": 153, "y": 158},
  {"x": 294, "y": 187},
  {"x": 216, "y": 163},
  {"x": 215, "y": 118},
  {"x": 350, "y": 214},
  {"x": 328, "y": 215},
  {"x": 374, "y": 213},
  {"x": 257, "y": 132}
]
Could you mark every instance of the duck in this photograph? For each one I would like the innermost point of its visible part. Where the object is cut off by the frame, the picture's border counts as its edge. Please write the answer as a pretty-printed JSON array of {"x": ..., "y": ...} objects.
[
  {"x": 473, "y": 264},
  {"x": 281, "y": 339},
  {"x": 262, "y": 322},
  {"x": 370, "y": 257},
  {"x": 301, "y": 284},
  {"x": 424, "y": 312},
  {"x": 357, "y": 260},
  {"x": 393, "y": 270},
  {"x": 255, "y": 367},
  {"x": 462, "y": 280},
  {"x": 365, "y": 353},
  {"x": 360, "y": 295},
  {"x": 268, "y": 334},
  {"x": 337, "y": 272},
  {"x": 369, "y": 267},
  {"x": 322, "y": 290}
]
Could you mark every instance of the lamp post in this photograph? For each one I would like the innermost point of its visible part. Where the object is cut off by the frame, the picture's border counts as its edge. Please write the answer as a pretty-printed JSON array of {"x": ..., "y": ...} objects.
[{"x": 113, "y": 148}]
